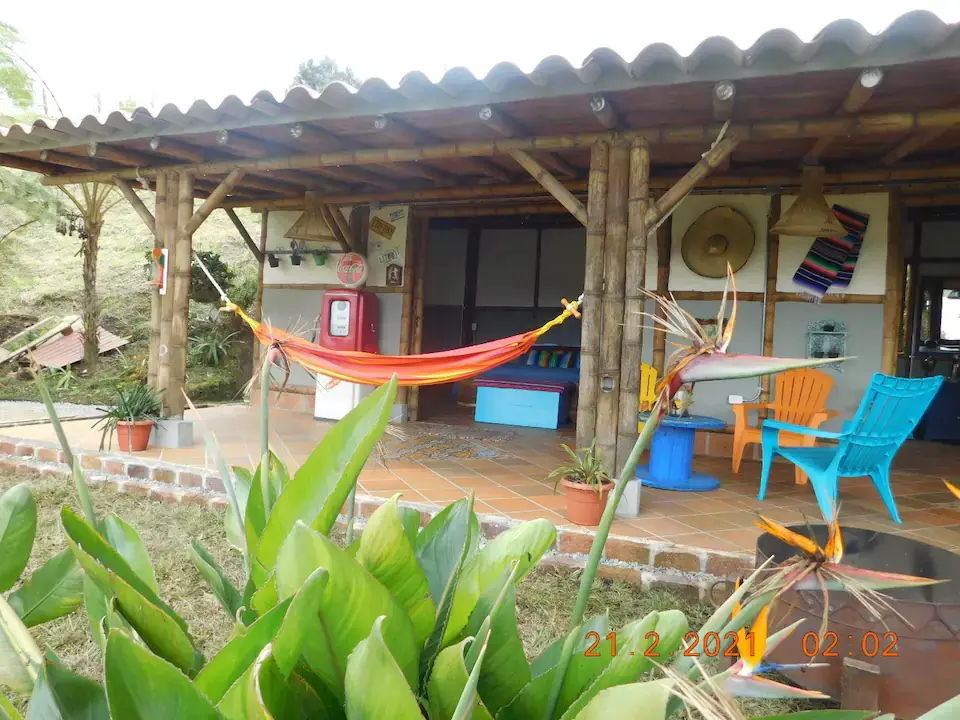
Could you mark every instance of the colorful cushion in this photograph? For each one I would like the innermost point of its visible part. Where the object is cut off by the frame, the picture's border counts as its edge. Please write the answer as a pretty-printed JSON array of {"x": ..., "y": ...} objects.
[
  {"x": 544, "y": 358},
  {"x": 555, "y": 359},
  {"x": 532, "y": 357}
]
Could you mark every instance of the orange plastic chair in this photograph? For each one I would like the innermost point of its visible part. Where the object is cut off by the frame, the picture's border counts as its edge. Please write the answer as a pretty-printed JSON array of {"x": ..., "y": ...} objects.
[{"x": 800, "y": 399}]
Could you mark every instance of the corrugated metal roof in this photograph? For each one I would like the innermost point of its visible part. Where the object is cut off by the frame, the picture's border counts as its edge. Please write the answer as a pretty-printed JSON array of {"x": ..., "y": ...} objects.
[
  {"x": 68, "y": 349},
  {"x": 913, "y": 37}
]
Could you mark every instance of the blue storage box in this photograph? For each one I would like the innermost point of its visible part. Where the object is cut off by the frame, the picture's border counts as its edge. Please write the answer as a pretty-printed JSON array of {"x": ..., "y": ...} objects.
[{"x": 545, "y": 405}]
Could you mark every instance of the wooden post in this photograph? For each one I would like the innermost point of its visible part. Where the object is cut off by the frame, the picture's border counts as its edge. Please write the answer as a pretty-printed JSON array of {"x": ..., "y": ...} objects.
[
  {"x": 592, "y": 290},
  {"x": 166, "y": 307},
  {"x": 414, "y": 224},
  {"x": 345, "y": 230},
  {"x": 614, "y": 278},
  {"x": 770, "y": 311},
  {"x": 212, "y": 202},
  {"x": 639, "y": 193},
  {"x": 160, "y": 214},
  {"x": 244, "y": 234},
  {"x": 551, "y": 185},
  {"x": 664, "y": 248},
  {"x": 264, "y": 217},
  {"x": 173, "y": 396},
  {"x": 893, "y": 297},
  {"x": 326, "y": 212},
  {"x": 420, "y": 252}
]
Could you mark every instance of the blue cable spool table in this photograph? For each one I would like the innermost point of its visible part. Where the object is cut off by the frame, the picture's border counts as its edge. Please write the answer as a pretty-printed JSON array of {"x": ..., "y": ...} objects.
[{"x": 671, "y": 454}]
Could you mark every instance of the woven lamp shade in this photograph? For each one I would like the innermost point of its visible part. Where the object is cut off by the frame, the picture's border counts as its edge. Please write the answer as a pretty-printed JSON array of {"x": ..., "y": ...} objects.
[
  {"x": 311, "y": 226},
  {"x": 719, "y": 237},
  {"x": 810, "y": 216}
]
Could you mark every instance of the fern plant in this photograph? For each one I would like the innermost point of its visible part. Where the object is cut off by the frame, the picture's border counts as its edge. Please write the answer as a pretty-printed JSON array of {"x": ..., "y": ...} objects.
[{"x": 211, "y": 349}]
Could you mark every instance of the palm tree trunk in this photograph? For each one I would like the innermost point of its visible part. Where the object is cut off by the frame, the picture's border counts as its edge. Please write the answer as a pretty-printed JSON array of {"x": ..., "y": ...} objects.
[{"x": 90, "y": 307}]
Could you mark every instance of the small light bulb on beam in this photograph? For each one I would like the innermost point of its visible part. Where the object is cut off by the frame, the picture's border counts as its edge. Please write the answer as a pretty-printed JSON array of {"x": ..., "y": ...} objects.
[
  {"x": 296, "y": 131},
  {"x": 223, "y": 137},
  {"x": 92, "y": 149},
  {"x": 486, "y": 112},
  {"x": 154, "y": 143},
  {"x": 380, "y": 122},
  {"x": 44, "y": 154},
  {"x": 871, "y": 77},
  {"x": 724, "y": 90},
  {"x": 598, "y": 103}
]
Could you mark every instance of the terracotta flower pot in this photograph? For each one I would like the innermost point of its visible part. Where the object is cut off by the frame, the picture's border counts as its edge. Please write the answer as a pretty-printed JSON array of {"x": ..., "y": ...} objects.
[
  {"x": 584, "y": 504},
  {"x": 134, "y": 436}
]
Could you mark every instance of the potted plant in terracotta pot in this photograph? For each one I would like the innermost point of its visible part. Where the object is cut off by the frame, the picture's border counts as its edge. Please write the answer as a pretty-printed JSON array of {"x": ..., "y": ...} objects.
[
  {"x": 133, "y": 415},
  {"x": 587, "y": 485}
]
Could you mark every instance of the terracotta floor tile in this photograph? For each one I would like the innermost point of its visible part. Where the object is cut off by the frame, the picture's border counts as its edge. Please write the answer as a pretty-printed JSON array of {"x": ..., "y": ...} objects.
[
  {"x": 512, "y": 505},
  {"x": 533, "y": 490},
  {"x": 510, "y": 480},
  {"x": 554, "y": 502},
  {"x": 701, "y": 540},
  {"x": 491, "y": 492},
  {"x": 626, "y": 529},
  {"x": 745, "y": 539},
  {"x": 389, "y": 484},
  {"x": 553, "y": 517},
  {"x": 450, "y": 495},
  {"x": 662, "y": 526},
  {"x": 473, "y": 481},
  {"x": 434, "y": 483},
  {"x": 708, "y": 523},
  {"x": 932, "y": 516},
  {"x": 947, "y": 535}
]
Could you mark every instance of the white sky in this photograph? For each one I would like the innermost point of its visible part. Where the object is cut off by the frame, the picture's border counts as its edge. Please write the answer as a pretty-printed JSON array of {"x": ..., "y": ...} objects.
[{"x": 202, "y": 49}]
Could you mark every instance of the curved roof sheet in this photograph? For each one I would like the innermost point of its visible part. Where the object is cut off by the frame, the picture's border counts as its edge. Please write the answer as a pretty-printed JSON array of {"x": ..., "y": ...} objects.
[{"x": 915, "y": 36}]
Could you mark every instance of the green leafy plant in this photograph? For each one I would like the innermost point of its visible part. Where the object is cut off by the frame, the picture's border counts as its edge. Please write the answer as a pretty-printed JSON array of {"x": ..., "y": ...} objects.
[
  {"x": 404, "y": 622},
  {"x": 212, "y": 348},
  {"x": 585, "y": 467},
  {"x": 64, "y": 378},
  {"x": 131, "y": 405},
  {"x": 201, "y": 289}
]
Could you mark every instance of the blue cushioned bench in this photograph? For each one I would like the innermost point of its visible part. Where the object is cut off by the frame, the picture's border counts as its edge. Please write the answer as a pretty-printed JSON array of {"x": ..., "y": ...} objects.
[{"x": 528, "y": 404}]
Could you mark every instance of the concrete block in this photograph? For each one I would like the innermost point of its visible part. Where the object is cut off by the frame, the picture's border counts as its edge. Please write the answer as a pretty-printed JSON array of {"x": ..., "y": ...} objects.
[
  {"x": 172, "y": 433},
  {"x": 630, "y": 501}
]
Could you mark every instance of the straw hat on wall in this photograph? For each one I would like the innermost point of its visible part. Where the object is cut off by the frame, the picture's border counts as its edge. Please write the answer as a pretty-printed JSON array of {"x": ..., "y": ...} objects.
[{"x": 719, "y": 236}]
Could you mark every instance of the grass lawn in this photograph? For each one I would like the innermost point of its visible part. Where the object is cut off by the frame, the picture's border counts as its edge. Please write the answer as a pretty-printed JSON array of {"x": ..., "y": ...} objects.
[{"x": 544, "y": 598}]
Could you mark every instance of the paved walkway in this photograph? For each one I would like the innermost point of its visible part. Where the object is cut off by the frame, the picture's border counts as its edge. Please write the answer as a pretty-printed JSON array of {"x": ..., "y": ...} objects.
[{"x": 21, "y": 412}]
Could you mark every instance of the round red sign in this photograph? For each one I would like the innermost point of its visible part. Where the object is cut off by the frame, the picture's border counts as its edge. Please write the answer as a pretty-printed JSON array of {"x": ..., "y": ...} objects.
[{"x": 352, "y": 270}]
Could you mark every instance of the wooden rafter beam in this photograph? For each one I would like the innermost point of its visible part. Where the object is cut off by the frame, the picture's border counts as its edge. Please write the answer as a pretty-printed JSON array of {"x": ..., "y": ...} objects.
[
  {"x": 422, "y": 137},
  {"x": 766, "y": 130},
  {"x": 857, "y": 96},
  {"x": 59, "y": 158},
  {"x": 213, "y": 201},
  {"x": 245, "y": 236},
  {"x": 177, "y": 149},
  {"x": 551, "y": 185},
  {"x": 911, "y": 145},
  {"x": 604, "y": 112},
  {"x": 506, "y": 126},
  {"x": 130, "y": 194},
  {"x": 241, "y": 145},
  {"x": 327, "y": 214},
  {"x": 23, "y": 163},
  {"x": 117, "y": 155}
]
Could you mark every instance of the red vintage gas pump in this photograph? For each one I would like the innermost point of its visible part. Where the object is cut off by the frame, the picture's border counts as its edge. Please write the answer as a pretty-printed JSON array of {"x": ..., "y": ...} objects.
[{"x": 349, "y": 319}]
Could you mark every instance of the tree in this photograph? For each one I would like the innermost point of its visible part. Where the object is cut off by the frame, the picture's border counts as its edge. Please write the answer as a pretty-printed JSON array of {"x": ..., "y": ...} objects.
[
  {"x": 93, "y": 202},
  {"x": 31, "y": 201},
  {"x": 317, "y": 75},
  {"x": 15, "y": 81}
]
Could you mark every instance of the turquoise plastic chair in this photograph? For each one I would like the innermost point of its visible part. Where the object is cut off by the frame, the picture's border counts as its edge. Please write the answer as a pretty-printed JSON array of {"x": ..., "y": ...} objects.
[{"x": 888, "y": 413}]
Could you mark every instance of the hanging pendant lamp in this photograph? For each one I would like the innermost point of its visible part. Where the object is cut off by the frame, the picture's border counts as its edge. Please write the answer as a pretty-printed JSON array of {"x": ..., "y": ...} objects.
[
  {"x": 810, "y": 216},
  {"x": 311, "y": 226}
]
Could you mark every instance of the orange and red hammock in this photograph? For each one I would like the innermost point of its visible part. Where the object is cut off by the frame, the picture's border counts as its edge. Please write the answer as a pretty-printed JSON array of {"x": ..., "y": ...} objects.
[{"x": 412, "y": 370}]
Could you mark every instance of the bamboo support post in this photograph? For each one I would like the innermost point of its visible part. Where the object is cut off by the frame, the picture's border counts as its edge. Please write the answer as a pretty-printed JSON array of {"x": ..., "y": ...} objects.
[
  {"x": 212, "y": 202},
  {"x": 636, "y": 270},
  {"x": 909, "y": 301},
  {"x": 414, "y": 231},
  {"x": 420, "y": 252},
  {"x": 181, "y": 298},
  {"x": 664, "y": 248},
  {"x": 667, "y": 202},
  {"x": 264, "y": 227},
  {"x": 770, "y": 311},
  {"x": 893, "y": 297},
  {"x": 130, "y": 194},
  {"x": 166, "y": 307},
  {"x": 592, "y": 289},
  {"x": 345, "y": 231},
  {"x": 614, "y": 277},
  {"x": 160, "y": 210},
  {"x": 551, "y": 185},
  {"x": 244, "y": 235}
]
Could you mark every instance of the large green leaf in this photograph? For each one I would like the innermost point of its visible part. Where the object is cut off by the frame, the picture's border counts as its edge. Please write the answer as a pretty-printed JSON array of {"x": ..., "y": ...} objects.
[
  {"x": 126, "y": 541},
  {"x": 410, "y": 519},
  {"x": 637, "y": 700},
  {"x": 20, "y": 658},
  {"x": 156, "y": 623},
  {"x": 238, "y": 655},
  {"x": 18, "y": 526},
  {"x": 242, "y": 480},
  {"x": 95, "y": 603},
  {"x": 440, "y": 545},
  {"x": 532, "y": 700},
  {"x": 255, "y": 513},
  {"x": 263, "y": 693},
  {"x": 54, "y": 590},
  {"x": 301, "y": 624},
  {"x": 505, "y": 670},
  {"x": 61, "y": 695},
  {"x": 141, "y": 686},
  {"x": 371, "y": 662},
  {"x": 525, "y": 544},
  {"x": 630, "y": 663},
  {"x": 447, "y": 682},
  {"x": 223, "y": 589},
  {"x": 351, "y": 601},
  {"x": 321, "y": 485},
  {"x": 946, "y": 711},
  {"x": 387, "y": 553},
  {"x": 442, "y": 550},
  {"x": 8, "y": 711}
]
